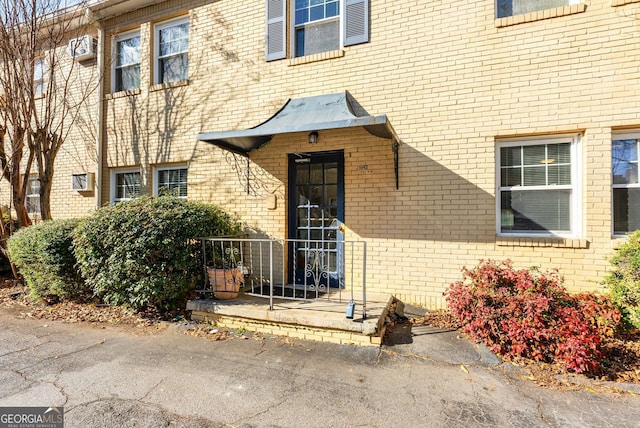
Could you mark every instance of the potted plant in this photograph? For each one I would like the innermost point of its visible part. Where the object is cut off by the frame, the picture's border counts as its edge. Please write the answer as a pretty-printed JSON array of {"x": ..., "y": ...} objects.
[{"x": 226, "y": 276}]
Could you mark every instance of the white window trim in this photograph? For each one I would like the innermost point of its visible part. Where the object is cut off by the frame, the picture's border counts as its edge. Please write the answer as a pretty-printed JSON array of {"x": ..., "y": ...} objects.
[
  {"x": 576, "y": 186},
  {"x": 156, "y": 174},
  {"x": 495, "y": 5},
  {"x": 114, "y": 53},
  {"x": 42, "y": 80},
  {"x": 622, "y": 135},
  {"x": 114, "y": 172},
  {"x": 156, "y": 43},
  {"x": 31, "y": 195},
  {"x": 292, "y": 25}
]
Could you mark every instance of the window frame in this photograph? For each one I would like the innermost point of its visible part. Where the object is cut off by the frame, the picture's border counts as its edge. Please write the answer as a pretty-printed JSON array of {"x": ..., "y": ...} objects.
[
  {"x": 575, "y": 216},
  {"x": 156, "y": 177},
  {"x": 617, "y": 136},
  {"x": 280, "y": 27},
  {"x": 42, "y": 81},
  {"x": 28, "y": 195},
  {"x": 496, "y": 5},
  {"x": 114, "y": 181},
  {"x": 157, "y": 28},
  {"x": 293, "y": 27},
  {"x": 114, "y": 49}
]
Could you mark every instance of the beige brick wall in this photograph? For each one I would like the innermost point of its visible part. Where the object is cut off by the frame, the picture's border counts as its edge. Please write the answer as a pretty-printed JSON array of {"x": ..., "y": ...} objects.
[
  {"x": 288, "y": 330},
  {"x": 453, "y": 81},
  {"x": 78, "y": 151}
]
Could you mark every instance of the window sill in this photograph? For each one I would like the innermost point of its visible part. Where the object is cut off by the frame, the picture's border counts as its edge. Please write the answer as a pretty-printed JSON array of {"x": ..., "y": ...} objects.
[
  {"x": 122, "y": 94},
  {"x": 170, "y": 85},
  {"x": 618, "y": 240},
  {"x": 539, "y": 15},
  {"x": 338, "y": 53},
  {"x": 512, "y": 241},
  {"x": 615, "y": 3}
]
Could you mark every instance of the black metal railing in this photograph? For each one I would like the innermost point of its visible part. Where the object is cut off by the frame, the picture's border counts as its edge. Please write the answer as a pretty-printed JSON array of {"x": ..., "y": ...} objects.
[{"x": 285, "y": 269}]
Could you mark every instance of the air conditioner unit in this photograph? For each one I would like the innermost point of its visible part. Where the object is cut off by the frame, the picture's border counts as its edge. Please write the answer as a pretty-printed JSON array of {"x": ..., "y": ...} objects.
[
  {"x": 82, "y": 182},
  {"x": 83, "y": 48}
]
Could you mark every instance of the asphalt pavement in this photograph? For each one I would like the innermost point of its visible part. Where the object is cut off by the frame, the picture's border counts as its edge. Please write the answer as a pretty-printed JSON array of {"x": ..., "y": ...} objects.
[{"x": 115, "y": 377}]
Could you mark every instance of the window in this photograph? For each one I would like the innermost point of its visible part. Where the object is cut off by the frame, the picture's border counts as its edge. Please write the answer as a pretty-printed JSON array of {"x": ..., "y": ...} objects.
[
  {"x": 317, "y": 26},
  {"x": 125, "y": 185},
  {"x": 538, "y": 187},
  {"x": 172, "y": 51},
  {"x": 171, "y": 181},
  {"x": 626, "y": 189},
  {"x": 126, "y": 72},
  {"x": 516, "y": 7},
  {"x": 39, "y": 73},
  {"x": 32, "y": 199}
]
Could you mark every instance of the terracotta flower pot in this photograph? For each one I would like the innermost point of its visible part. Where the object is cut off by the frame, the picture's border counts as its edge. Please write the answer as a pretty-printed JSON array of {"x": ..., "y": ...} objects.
[{"x": 226, "y": 283}]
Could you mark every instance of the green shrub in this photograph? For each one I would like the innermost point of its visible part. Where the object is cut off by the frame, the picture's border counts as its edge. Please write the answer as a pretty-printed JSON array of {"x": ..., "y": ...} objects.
[
  {"x": 624, "y": 280},
  {"x": 143, "y": 253},
  {"x": 43, "y": 254}
]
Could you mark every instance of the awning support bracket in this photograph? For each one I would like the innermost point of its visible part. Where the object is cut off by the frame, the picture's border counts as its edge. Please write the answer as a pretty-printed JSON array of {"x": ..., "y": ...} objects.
[{"x": 395, "y": 147}]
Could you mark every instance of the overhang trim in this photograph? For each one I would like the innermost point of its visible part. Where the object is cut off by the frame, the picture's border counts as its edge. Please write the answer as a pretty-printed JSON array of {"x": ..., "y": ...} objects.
[{"x": 315, "y": 113}]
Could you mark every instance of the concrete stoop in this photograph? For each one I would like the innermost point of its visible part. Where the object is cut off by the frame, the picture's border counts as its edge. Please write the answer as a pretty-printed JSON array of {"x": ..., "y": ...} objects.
[{"x": 320, "y": 320}]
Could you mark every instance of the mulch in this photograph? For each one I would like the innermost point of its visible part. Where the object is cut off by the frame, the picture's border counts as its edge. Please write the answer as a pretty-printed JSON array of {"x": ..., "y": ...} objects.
[{"x": 14, "y": 297}]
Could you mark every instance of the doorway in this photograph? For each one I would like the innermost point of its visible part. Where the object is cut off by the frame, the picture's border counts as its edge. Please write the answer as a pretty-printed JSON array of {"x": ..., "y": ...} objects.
[{"x": 316, "y": 214}]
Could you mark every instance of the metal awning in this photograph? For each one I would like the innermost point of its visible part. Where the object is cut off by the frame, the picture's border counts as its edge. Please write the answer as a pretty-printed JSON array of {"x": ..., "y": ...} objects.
[{"x": 316, "y": 113}]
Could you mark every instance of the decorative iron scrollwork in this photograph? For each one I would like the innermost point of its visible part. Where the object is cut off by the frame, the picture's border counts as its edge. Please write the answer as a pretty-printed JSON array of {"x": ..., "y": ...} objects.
[{"x": 315, "y": 270}]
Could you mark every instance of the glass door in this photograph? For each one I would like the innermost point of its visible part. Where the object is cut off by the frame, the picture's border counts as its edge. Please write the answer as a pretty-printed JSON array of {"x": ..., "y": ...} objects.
[{"x": 316, "y": 213}]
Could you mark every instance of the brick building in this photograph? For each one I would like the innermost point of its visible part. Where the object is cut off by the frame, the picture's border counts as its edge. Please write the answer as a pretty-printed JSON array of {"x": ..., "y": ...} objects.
[{"x": 440, "y": 133}]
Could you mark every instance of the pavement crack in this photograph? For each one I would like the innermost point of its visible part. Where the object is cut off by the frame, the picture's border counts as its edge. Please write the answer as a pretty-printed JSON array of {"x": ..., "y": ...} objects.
[
  {"x": 290, "y": 392},
  {"x": 61, "y": 389},
  {"x": 29, "y": 382},
  {"x": 262, "y": 346},
  {"x": 67, "y": 354},
  {"x": 543, "y": 418},
  {"x": 150, "y": 390}
]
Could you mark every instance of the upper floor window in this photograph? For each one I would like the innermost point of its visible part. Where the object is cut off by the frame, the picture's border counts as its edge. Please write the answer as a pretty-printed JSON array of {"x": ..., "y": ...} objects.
[
  {"x": 316, "y": 26},
  {"x": 538, "y": 187},
  {"x": 171, "y": 181},
  {"x": 626, "y": 188},
  {"x": 125, "y": 185},
  {"x": 517, "y": 7},
  {"x": 39, "y": 73},
  {"x": 32, "y": 196},
  {"x": 172, "y": 51},
  {"x": 127, "y": 62}
]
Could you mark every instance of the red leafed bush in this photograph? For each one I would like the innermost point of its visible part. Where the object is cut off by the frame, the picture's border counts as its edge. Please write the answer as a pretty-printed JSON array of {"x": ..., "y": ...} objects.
[{"x": 526, "y": 313}]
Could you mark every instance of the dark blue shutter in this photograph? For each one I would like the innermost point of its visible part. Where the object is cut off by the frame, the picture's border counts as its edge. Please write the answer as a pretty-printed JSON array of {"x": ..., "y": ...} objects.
[
  {"x": 356, "y": 22},
  {"x": 276, "y": 38}
]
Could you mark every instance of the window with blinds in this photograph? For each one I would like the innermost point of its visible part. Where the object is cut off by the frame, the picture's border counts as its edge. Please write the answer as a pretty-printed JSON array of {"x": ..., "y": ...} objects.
[
  {"x": 32, "y": 196},
  {"x": 125, "y": 185},
  {"x": 626, "y": 189},
  {"x": 537, "y": 187},
  {"x": 171, "y": 182}
]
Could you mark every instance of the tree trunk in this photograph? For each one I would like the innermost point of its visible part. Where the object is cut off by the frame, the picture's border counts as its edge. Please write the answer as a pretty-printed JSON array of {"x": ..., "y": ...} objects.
[
  {"x": 18, "y": 181},
  {"x": 5, "y": 233},
  {"x": 45, "y": 195}
]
